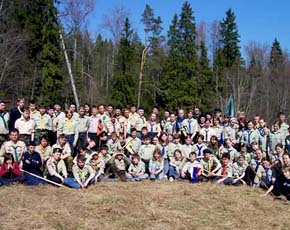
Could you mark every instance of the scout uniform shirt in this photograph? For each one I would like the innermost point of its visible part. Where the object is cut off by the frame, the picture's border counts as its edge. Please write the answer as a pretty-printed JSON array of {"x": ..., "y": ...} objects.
[
  {"x": 120, "y": 164},
  {"x": 227, "y": 170},
  {"x": 250, "y": 136},
  {"x": 4, "y": 121},
  {"x": 210, "y": 165},
  {"x": 33, "y": 114},
  {"x": 266, "y": 142},
  {"x": 232, "y": 152},
  {"x": 137, "y": 168},
  {"x": 170, "y": 127},
  {"x": 25, "y": 126},
  {"x": 207, "y": 133},
  {"x": 189, "y": 167},
  {"x": 247, "y": 156},
  {"x": 238, "y": 169},
  {"x": 179, "y": 163},
  {"x": 263, "y": 174},
  {"x": 16, "y": 149},
  {"x": 229, "y": 133},
  {"x": 43, "y": 122},
  {"x": 81, "y": 175},
  {"x": 135, "y": 143},
  {"x": 140, "y": 123},
  {"x": 190, "y": 126},
  {"x": 198, "y": 149},
  {"x": 155, "y": 165},
  {"x": 163, "y": 150},
  {"x": 146, "y": 151},
  {"x": 69, "y": 127},
  {"x": 114, "y": 127},
  {"x": 171, "y": 148},
  {"x": 66, "y": 150},
  {"x": 186, "y": 150},
  {"x": 82, "y": 124},
  {"x": 55, "y": 168},
  {"x": 154, "y": 128},
  {"x": 57, "y": 118},
  {"x": 45, "y": 153},
  {"x": 113, "y": 146},
  {"x": 219, "y": 130}
]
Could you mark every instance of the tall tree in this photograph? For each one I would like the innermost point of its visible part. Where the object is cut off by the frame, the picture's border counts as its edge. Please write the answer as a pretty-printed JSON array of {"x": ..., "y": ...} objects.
[
  {"x": 230, "y": 39},
  {"x": 38, "y": 19},
  {"x": 179, "y": 81},
  {"x": 124, "y": 83},
  {"x": 154, "y": 41}
]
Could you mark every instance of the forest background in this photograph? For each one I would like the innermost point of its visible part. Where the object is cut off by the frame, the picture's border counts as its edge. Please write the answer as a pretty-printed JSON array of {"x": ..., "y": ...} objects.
[{"x": 187, "y": 64}]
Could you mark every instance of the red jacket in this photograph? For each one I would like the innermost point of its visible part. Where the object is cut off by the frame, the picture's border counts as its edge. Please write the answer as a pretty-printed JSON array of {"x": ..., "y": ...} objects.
[{"x": 4, "y": 171}]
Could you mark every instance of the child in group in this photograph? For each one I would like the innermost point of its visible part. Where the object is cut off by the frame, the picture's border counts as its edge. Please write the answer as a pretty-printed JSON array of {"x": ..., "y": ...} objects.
[
  {"x": 211, "y": 167},
  {"x": 136, "y": 171},
  {"x": 163, "y": 145},
  {"x": 199, "y": 147},
  {"x": 82, "y": 152},
  {"x": 173, "y": 146},
  {"x": 263, "y": 178},
  {"x": 175, "y": 165},
  {"x": 32, "y": 162},
  {"x": 239, "y": 171},
  {"x": 113, "y": 144},
  {"x": 230, "y": 150},
  {"x": 83, "y": 174},
  {"x": 156, "y": 166},
  {"x": 215, "y": 146},
  {"x": 105, "y": 157},
  {"x": 10, "y": 172},
  {"x": 245, "y": 153},
  {"x": 187, "y": 148},
  {"x": 191, "y": 169},
  {"x": 118, "y": 165},
  {"x": 146, "y": 151},
  {"x": 98, "y": 166},
  {"x": 227, "y": 170}
]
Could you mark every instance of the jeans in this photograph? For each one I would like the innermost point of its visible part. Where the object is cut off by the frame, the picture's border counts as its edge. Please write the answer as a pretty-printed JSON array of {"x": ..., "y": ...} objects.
[
  {"x": 159, "y": 176},
  {"x": 72, "y": 183},
  {"x": 166, "y": 166},
  {"x": 137, "y": 178},
  {"x": 9, "y": 181},
  {"x": 173, "y": 172}
]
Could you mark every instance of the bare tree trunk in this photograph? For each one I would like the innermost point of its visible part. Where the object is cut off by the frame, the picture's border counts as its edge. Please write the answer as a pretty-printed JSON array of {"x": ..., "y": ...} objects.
[
  {"x": 107, "y": 76},
  {"x": 75, "y": 49},
  {"x": 143, "y": 60},
  {"x": 68, "y": 65}
]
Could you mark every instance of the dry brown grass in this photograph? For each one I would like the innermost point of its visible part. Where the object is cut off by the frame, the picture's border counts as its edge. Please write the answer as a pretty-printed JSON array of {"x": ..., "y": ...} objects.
[{"x": 144, "y": 205}]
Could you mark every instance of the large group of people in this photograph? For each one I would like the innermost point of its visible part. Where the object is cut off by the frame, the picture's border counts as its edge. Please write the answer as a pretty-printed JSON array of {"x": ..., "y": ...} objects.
[{"x": 83, "y": 146}]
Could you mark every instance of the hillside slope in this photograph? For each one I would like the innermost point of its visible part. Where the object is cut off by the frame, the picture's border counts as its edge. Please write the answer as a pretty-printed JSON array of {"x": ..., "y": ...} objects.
[{"x": 144, "y": 205}]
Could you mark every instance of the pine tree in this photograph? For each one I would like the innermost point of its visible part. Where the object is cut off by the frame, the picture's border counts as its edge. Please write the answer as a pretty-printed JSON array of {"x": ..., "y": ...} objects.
[
  {"x": 155, "y": 57},
  {"x": 124, "y": 84},
  {"x": 276, "y": 55},
  {"x": 179, "y": 82},
  {"x": 38, "y": 19},
  {"x": 230, "y": 39},
  {"x": 205, "y": 80}
]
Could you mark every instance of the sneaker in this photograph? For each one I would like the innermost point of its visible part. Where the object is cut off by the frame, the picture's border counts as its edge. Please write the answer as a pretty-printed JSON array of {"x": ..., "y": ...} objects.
[{"x": 171, "y": 179}]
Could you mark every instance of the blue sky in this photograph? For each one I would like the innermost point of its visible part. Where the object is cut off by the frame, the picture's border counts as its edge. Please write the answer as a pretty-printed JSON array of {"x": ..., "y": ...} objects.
[{"x": 258, "y": 20}]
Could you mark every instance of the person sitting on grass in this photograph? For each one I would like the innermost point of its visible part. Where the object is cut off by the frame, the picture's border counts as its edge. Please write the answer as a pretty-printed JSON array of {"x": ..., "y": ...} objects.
[
  {"x": 156, "y": 166},
  {"x": 175, "y": 165},
  {"x": 32, "y": 162},
  {"x": 56, "y": 169},
  {"x": 263, "y": 177},
  {"x": 118, "y": 165},
  {"x": 192, "y": 168},
  {"x": 136, "y": 171},
  {"x": 239, "y": 171},
  {"x": 83, "y": 174},
  {"x": 98, "y": 166},
  {"x": 10, "y": 172},
  {"x": 227, "y": 170},
  {"x": 211, "y": 167}
]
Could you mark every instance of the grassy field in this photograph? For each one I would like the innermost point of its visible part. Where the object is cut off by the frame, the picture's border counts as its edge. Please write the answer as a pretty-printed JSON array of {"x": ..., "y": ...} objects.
[{"x": 143, "y": 205}]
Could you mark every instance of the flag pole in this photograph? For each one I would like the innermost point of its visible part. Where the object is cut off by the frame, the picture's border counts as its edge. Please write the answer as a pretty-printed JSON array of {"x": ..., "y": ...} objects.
[{"x": 42, "y": 178}]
